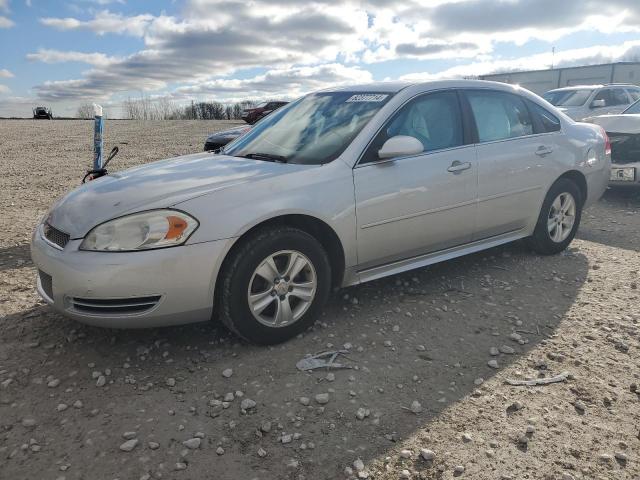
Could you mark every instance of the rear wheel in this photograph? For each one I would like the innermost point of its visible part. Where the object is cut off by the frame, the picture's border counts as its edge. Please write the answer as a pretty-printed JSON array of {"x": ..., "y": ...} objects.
[
  {"x": 274, "y": 285},
  {"x": 559, "y": 218}
]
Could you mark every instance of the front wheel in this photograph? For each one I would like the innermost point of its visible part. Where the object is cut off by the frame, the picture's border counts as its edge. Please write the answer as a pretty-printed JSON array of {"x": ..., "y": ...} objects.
[
  {"x": 274, "y": 285},
  {"x": 559, "y": 218}
]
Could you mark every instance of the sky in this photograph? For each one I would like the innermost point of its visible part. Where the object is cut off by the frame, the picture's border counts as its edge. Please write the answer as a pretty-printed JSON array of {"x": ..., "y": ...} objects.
[{"x": 64, "y": 53}]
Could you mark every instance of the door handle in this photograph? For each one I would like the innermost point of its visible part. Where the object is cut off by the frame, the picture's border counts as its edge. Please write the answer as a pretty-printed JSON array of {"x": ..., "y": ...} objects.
[
  {"x": 457, "y": 167},
  {"x": 542, "y": 151}
]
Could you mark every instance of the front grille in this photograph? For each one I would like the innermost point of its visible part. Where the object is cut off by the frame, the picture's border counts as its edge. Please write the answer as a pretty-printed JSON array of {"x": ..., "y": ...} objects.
[
  {"x": 114, "y": 306},
  {"x": 46, "y": 282},
  {"x": 56, "y": 236}
]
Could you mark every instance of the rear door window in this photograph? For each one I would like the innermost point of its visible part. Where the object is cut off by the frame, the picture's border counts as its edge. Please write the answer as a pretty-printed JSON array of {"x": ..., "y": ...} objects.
[
  {"x": 619, "y": 96},
  {"x": 499, "y": 115},
  {"x": 544, "y": 121},
  {"x": 634, "y": 94}
]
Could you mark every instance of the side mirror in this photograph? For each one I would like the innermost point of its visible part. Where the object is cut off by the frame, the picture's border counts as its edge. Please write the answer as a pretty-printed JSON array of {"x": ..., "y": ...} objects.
[
  {"x": 598, "y": 103},
  {"x": 400, "y": 146}
]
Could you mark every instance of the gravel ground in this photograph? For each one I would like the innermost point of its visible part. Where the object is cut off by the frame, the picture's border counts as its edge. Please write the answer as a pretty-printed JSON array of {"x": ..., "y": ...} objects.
[{"x": 430, "y": 350}]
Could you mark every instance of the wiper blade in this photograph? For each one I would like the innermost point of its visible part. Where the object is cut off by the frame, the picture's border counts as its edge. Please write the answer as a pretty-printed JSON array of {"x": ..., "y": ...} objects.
[{"x": 266, "y": 156}]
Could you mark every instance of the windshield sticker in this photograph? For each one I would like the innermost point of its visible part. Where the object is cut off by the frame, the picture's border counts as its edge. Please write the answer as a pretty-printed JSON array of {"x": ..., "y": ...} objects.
[{"x": 367, "y": 97}]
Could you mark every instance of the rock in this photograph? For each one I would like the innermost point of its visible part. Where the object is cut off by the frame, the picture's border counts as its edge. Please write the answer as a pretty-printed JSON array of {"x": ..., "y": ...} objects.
[
  {"x": 287, "y": 438},
  {"x": 220, "y": 451},
  {"x": 170, "y": 382},
  {"x": 153, "y": 445},
  {"x": 478, "y": 381},
  {"x": 406, "y": 453},
  {"x": 493, "y": 363},
  {"x": 362, "y": 413},
  {"x": 427, "y": 454},
  {"x": 523, "y": 440},
  {"x": 227, "y": 372},
  {"x": 304, "y": 401},
  {"x": 102, "y": 380},
  {"x": 180, "y": 466},
  {"x": 358, "y": 465},
  {"x": 62, "y": 407},
  {"x": 192, "y": 443},
  {"x": 265, "y": 426},
  {"x": 458, "y": 470},
  {"x": 493, "y": 351},
  {"x": 322, "y": 398},
  {"x": 579, "y": 406},
  {"x": 516, "y": 337},
  {"x": 129, "y": 435},
  {"x": 129, "y": 445},
  {"x": 605, "y": 458},
  {"x": 262, "y": 452},
  {"x": 415, "y": 407},
  {"x": 506, "y": 349},
  {"x": 405, "y": 474},
  {"x": 420, "y": 348},
  {"x": 567, "y": 476},
  {"x": 78, "y": 404},
  {"x": 247, "y": 404},
  {"x": 229, "y": 397},
  {"x": 53, "y": 383},
  {"x": 28, "y": 422},
  {"x": 621, "y": 457},
  {"x": 466, "y": 438}
]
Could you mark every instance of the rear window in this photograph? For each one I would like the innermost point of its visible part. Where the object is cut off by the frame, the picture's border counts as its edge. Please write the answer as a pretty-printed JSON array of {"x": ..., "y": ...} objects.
[{"x": 568, "y": 98}]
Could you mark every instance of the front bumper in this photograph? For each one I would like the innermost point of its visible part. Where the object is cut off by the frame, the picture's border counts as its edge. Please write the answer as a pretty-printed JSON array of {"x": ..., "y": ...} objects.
[
  {"x": 626, "y": 183},
  {"x": 154, "y": 288}
]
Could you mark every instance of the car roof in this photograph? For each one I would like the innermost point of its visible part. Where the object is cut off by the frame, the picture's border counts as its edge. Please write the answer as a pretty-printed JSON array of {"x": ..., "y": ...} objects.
[
  {"x": 576, "y": 87},
  {"x": 395, "y": 87}
]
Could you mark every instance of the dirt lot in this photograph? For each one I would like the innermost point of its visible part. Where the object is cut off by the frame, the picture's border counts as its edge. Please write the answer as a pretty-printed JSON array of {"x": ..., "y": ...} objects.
[{"x": 423, "y": 336}]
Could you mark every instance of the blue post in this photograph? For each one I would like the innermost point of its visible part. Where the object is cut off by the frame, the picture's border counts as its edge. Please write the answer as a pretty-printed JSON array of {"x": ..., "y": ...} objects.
[{"x": 97, "y": 137}]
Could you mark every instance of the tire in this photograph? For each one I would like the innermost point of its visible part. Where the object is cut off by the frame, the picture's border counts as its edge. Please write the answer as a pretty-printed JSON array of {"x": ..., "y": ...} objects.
[
  {"x": 278, "y": 313},
  {"x": 547, "y": 239}
]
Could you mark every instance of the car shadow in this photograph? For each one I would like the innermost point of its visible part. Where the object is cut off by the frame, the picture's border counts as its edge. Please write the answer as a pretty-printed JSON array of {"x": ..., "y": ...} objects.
[
  {"x": 596, "y": 226},
  {"x": 423, "y": 335}
]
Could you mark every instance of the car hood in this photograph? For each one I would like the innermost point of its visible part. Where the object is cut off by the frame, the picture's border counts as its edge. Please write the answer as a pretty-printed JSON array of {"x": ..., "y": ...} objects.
[
  {"x": 622, "y": 123},
  {"x": 237, "y": 131},
  {"x": 156, "y": 185}
]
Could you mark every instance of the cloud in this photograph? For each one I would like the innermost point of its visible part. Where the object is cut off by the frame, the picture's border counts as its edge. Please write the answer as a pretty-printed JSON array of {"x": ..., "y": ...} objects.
[
  {"x": 57, "y": 56},
  {"x": 5, "y": 22},
  {"x": 4, "y": 73},
  {"x": 289, "y": 83},
  {"x": 4, "y": 89},
  {"x": 103, "y": 22},
  {"x": 210, "y": 42},
  {"x": 4, "y": 5},
  {"x": 628, "y": 51}
]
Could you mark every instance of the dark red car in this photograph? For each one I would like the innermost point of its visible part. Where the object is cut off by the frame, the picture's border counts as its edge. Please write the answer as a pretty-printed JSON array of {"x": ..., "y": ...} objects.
[{"x": 252, "y": 115}]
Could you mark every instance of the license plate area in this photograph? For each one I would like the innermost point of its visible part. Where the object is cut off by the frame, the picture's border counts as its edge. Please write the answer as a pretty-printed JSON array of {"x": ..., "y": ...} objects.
[{"x": 625, "y": 174}]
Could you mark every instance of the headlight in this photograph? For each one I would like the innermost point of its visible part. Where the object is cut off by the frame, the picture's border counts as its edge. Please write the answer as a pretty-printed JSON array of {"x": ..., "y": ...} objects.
[{"x": 141, "y": 231}]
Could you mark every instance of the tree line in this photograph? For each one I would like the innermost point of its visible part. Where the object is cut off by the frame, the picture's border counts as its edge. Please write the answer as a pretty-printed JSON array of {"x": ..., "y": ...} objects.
[{"x": 162, "y": 108}]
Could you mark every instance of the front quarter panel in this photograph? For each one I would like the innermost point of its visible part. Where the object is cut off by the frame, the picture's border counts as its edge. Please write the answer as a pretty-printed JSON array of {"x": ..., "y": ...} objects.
[{"x": 323, "y": 192}]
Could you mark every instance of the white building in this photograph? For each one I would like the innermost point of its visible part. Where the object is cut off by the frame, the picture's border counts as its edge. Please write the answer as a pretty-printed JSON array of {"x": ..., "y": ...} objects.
[{"x": 541, "y": 81}]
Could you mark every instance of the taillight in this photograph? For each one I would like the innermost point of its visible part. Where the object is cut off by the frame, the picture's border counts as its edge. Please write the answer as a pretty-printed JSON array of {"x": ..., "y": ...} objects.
[{"x": 607, "y": 142}]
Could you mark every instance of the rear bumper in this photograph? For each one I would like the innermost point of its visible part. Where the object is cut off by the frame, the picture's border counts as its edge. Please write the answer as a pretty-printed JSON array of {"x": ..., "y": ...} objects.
[
  {"x": 626, "y": 183},
  {"x": 154, "y": 288}
]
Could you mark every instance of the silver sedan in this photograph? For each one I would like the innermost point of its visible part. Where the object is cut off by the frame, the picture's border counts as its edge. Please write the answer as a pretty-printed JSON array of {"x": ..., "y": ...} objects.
[{"x": 337, "y": 188}]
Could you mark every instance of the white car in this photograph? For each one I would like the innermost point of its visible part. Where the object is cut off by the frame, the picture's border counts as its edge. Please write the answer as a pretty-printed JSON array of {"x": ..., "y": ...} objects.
[
  {"x": 339, "y": 187},
  {"x": 624, "y": 133},
  {"x": 582, "y": 101}
]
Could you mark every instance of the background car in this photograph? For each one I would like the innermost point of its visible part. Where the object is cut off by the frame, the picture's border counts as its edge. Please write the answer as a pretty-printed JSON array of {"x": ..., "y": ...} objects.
[
  {"x": 252, "y": 115},
  {"x": 342, "y": 187},
  {"x": 42, "y": 113},
  {"x": 624, "y": 133},
  {"x": 584, "y": 101},
  {"x": 217, "y": 140}
]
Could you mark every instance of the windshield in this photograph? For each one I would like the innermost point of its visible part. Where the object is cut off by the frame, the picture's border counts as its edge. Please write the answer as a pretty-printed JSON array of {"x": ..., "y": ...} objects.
[
  {"x": 313, "y": 130},
  {"x": 568, "y": 98},
  {"x": 634, "y": 108}
]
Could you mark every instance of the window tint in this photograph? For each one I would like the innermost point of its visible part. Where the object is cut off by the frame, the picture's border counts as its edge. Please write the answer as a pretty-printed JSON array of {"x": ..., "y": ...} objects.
[
  {"x": 604, "y": 94},
  {"x": 545, "y": 121},
  {"x": 499, "y": 115},
  {"x": 434, "y": 119},
  {"x": 635, "y": 94},
  {"x": 619, "y": 97}
]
